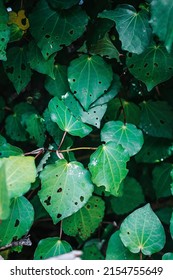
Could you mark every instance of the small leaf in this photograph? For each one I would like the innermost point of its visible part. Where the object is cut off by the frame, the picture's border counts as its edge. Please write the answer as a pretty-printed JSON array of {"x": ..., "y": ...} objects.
[
  {"x": 61, "y": 115},
  {"x": 91, "y": 250},
  {"x": 19, "y": 221},
  {"x": 89, "y": 77},
  {"x": 36, "y": 129},
  {"x": 4, "y": 198},
  {"x": 51, "y": 247},
  {"x": 17, "y": 68},
  {"x": 132, "y": 197},
  {"x": 142, "y": 231},
  {"x": 53, "y": 29},
  {"x": 157, "y": 118},
  {"x": 167, "y": 256},
  {"x": 133, "y": 27},
  {"x": 66, "y": 187},
  {"x": 127, "y": 135},
  {"x": 152, "y": 67},
  {"x": 108, "y": 167},
  {"x": 117, "y": 251},
  {"x": 85, "y": 221},
  {"x": 4, "y": 39},
  {"x": 162, "y": 180}
]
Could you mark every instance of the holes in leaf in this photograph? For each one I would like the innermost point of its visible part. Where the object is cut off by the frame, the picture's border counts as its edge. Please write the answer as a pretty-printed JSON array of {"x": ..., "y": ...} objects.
[
  {"x": 88, "y": 206},
  {"x": 76, "y": 203},
  {"x": 131, "y": 66},
  {"x": 2, "y": 39},
  {"x": 170, "y": 68},
  {"x": 130, "y": 54},
  {"x": 23, "y": 67},
  {"x": 23, "y": 21},
  {"x": 47, "y": 201},
  {"x": 47, "y": 36},
  {"x": 10, "y": 70},
  {"x": 148, "y": 153},
  {"x": 71, "y": 32},
  {"x": 74, "y": 80},
  {"x": 139, "y": 69},
  {"x": 128, "y": 232},
  {"x": 41, "y": 257},
  {"x": 59, "y": 215},
  {"x": 57, "y": 107},
  {"x": 81, "y": 198},
  {"x": 47, "y": 54},
  {"x": 145, "y": 65},
  {"x": 90, "y": 95},
  {"x": 17, "y": 222},
  {"x": 148, "y": 74},
  {"x": 162, "y": 122},
  {"x": 95, "y": 205},
  {"x": 59, "y": 190},
  {"x": 105, "y": 90},
  {"x": 155, "y": 64},
  {"x": 100, "y": 82},
  {"x": 75, "y": 91}
]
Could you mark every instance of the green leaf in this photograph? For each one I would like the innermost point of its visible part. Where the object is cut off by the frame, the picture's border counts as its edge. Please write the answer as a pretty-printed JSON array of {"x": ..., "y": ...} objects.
[
  {"x": 155, "y": 150},
  {"x": 19, "y": 222},
  {"x": 3, "y": 13},
  {"x": 89, "y": 77},
  {"x": 7, "y": 150},
  {"x": 162, "y": 21},
  {"x": 142, "y": 231},
  {"x": 51, "y": 247},
  {"x": 15, "y": 33},
  {"x": 20, "y": 173},
  {"x": 85, "y": 221},
  {"x": 167, "y": 256},
  {"x": 105, "y": 47},
  {"x": 14, "y": 128},
  {"x": 157, "y": 118},
  {"x": 66, "y": 187},
  {"x": 52, "y": 29},
  {"x": 171, "y": 226},
  {"x": 152, "y": 67},
  {"x": 4, "y": 198},
  {"x": 91, "y": 250},
  {"x": 108, "y": 166},
  {"x": 127, "y": 135},
  {"x": 60, "y": 4},
  {"x": 133, "y": 27},
  {"x": 4, "y": 39},
  {"x": 38, "y": 63},
  {"x": 164, "y": 214},
  {"x": 36, "y": 129},
  {"x": 61, "y": 115},
  {"x": 117, "y": 251},
  {"x": 17, "y": 68},
  {"x": 59, "y": 86},
  {"x": 162, "y": 180},
  {"x": 132, "y": 197}
]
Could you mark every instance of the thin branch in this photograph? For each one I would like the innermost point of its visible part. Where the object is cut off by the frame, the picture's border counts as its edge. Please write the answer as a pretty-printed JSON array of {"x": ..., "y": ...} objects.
[
  {"x": 25, "y": 241},
  {"x": 77, "y": 149}
]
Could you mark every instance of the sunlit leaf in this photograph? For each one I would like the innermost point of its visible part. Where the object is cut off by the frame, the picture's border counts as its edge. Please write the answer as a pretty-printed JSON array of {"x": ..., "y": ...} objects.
[{"x": 4, "y": 198}]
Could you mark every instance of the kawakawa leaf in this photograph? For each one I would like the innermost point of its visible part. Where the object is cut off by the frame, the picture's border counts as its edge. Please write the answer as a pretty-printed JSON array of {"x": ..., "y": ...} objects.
[
  {"x": 52, "y": 28},
  {"x": 108, "y": 166},
  {"x": 152, "y": 67},
  {"x": 133, "y": 27},
  {"x": 142, "y": 231},
  {"x": 17, "y": 68},
  {"x": 66, "y": 187},
  {"x": 61, "y": 114},
  {"x": 128, "y": 135},
  {"x": 4, "y": 198},
  {"x": 51, "y": 247},
  {"x": 4, "y": 39},
  {"x": 162, "y": 21},
  {"x": 162, "y": 180},
  {"x": 14, "y": 128},
  {"x": 171, "y": 226},
  {"x": 89, "y": 77},
  {"x": 36, "y": 129},
  {"x": 85, "y": 221}
]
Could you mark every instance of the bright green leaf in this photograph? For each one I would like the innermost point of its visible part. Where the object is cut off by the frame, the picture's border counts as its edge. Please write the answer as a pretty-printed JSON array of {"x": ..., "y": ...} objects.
[
  {"x": 19, "y": 222},
  {"x": 127, "y": 135},
  {"x": 85, "y": 221},
  {"x": 142, "y": 231},
  {"x": 66, "y": 187},
  {"x": 167, "y": 256},
  {"x": 36, "y": 129},
  {"x": 51, "y": 247},
  {"x": 4, "y": 198},
  {"x": 108, "y": 167},
  {"x": 89, "y": 77},
  {"x": 162, "y": 180}
]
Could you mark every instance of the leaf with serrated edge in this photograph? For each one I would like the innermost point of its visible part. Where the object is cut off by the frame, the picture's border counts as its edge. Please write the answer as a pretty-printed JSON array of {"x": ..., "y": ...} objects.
[
  {"x": 108, "y": 167},
  {"x": 66, "y": 187}
]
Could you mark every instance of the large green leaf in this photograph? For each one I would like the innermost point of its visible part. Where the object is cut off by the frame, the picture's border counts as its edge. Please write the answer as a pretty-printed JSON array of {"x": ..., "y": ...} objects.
[
  {"x": 157, "y": 118},
  {"x": 66, "y": 187},
  {"x": 108, "y": 167},
  {"x": 162, "y": 21},
  {"x": 117, "y": 251},
  {"x": 152, "y": 67},
  {"x": 7, "y": 150},
  {"x": 4, "y": 198},
  {"x": 61, "y": 115},
  {"x": 19, "y": 222},
  {"x": 17, "y": 68},
  {"x": 20, "y": 173},
  {"x": 59, "y": 86},
  {"x": 132, "y": 197},
  {"x": 89, "y": 77},
  {"x": 36, "y": 129},
  {"x": 127, "y": 135},
  {"x": 4, "y": 39},
  {"x": 142, "y": 231},
  {"x": 51, "y": 247},
  {"x": 162, "y": 180},
  {"x": 60, "y": 4},
  {"x": 52, "y": 29},
  {"x": 14, "y": 128},
  {"x": 85, "y": 221},
  {"x": 133, "y": 27}
]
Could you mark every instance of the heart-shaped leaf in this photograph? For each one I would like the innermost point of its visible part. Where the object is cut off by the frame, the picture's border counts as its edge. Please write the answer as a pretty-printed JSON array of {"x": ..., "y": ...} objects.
[
  {"x": 142, "y": 231},
  {"x": 4, "y": 198},
  {"x": 89, "y": 77},
  {"x": 19, "y": 222},
  {"x": 152, "y": 67},
  {"x": 108, "y": 167},
  {"x": 52, "y": 29},
  {"x": 85, "y": 221},
  {"x": 61, "y": 114},
  {"x": 162, "y": 180},
  {"x": 51, "y": 247},
  {"x": 66, "y": 187},
  {"x": 127, "y": 135},
  {"x": 133, "y": 27}
]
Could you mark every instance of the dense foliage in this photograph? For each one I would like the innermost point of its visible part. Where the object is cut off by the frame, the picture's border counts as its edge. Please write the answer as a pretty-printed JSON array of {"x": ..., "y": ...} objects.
[{"x": 86, "y": 143}]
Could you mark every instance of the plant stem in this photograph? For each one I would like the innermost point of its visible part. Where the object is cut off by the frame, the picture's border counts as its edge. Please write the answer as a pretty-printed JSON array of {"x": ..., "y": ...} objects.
[
  {"x": 62, "y": 140},
  {"x": 140, "y": 254},
  {"x": 77, "y": 149},
  {"x": 124, "y": 114}
]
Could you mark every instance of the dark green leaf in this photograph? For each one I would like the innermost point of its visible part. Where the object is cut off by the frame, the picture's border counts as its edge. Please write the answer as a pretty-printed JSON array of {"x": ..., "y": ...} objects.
[
  {"x": 162, "y": 180},
  {"x": 2, "y": 107},
  {"x": 36, "y": 129},
  {"x": 7, "y": 150},
  {"x": 14, "y": 128},
  {"x": 60, "y": 4},
  {"x": 4, "y": 39},
  {"x": 91, "y": 250},
  {"x": 171, "y": 226}
]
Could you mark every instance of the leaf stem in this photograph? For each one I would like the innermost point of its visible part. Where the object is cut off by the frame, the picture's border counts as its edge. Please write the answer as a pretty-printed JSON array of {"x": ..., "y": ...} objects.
[
  {"x": 124, "y": 114},
  {"x": 60, "y": 230},
  {"x": 141, "y": 256},
  {"x": 77, "y": 149},
  {"x": 62, "y": 140}
]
